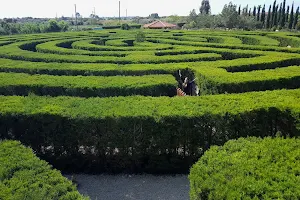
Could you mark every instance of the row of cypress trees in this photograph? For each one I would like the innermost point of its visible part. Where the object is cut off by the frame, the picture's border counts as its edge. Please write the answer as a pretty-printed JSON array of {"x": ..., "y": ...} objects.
[{"x": 278, "y": 16}]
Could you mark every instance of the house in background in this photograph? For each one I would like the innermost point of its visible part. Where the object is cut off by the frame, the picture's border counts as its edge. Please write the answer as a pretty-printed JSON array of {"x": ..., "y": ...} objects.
[{"x": 160, "y": 25}]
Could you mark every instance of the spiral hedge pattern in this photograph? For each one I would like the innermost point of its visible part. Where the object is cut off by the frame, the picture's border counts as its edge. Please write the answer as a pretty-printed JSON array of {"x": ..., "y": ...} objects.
[{"x": 51, "y": 84}]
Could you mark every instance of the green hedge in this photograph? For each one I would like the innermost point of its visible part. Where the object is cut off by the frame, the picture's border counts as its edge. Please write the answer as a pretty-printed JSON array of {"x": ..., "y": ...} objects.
[
  {"x": 251, "y": 168},
  {"x": 217, "y": 80},
  {"x": 13, "y": 52},
  {"x": 24, "y": 176},
  {"x": 143, "y": 134},
  {"x": 87, "y": 86},
  {"x": 111, "y": 27}
]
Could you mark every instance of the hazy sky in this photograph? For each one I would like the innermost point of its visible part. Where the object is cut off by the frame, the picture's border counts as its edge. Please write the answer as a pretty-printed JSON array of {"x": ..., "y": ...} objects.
[{"x": 49, "y": 8}]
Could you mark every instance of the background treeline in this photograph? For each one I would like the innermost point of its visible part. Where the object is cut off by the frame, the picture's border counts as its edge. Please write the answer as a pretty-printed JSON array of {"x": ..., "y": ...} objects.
[
  {"x": 276, "y": 16},
  {"x": 8, "y": 28}
]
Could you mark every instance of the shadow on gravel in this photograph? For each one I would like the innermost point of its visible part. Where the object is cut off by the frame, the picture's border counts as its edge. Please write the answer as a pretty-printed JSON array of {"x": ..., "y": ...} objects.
[{"x": 137, "y": 187}]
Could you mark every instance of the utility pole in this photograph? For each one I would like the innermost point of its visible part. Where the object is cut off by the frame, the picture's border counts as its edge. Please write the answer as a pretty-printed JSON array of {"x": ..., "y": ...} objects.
[
  {"x": 76, "y": 18},
  {"x": 119, "y": 12}
]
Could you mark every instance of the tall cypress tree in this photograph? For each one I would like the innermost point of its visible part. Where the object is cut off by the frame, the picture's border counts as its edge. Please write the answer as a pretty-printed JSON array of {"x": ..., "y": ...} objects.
[
  {"x": 282, "y": 22},
  {"x": 279, "y": 15},
  {"x": 291, "y": 22},
  {"x": 246, "y": 11},
  {"x": 273, "y": 14},
  {"x": 296, "y": 18},
  {"x": 239, "y": 12},
  {"x": 249, "y": 12},
  {"x": 276, "y": 16},
  {"x": 254, "y": 11},
  {"x": 269, "y": 22},
  {"x": 258, "y": 12},
  {"x": 287, "y": 14},
  {"x": 263, "y": 15}
]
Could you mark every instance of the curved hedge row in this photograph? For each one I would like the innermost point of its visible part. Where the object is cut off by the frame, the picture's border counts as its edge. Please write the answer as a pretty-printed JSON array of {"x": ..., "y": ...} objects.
[
  {"x": 24, "y": 176},
  {"x": 143, "y": 134},
  {"x": 251, "y": 168}
]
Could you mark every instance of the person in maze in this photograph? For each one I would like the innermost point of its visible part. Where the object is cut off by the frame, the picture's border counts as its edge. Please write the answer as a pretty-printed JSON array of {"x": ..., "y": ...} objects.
[{"x": 189, "y": 87}]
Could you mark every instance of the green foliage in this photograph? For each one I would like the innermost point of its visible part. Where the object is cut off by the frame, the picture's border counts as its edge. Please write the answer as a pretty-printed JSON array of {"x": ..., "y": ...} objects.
[
  {"x": 125, "y": 27},
  {"x": 134, "y": 125},
  {"x": 251, "y": 168},
  {"x": 140, "y": 36},
  {"x": 230, "y": 15},
  {"x": 24, "y": 176},
  {"x": 23, "y": 84},
  {"x": 291, "y": 22},
  {"x": 121, "y": 132},
  {"x": 205, "y": 7}
]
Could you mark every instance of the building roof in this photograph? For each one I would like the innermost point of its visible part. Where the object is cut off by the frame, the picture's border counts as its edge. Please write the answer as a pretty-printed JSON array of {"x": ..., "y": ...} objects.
[{"x": 159, "y": 24}]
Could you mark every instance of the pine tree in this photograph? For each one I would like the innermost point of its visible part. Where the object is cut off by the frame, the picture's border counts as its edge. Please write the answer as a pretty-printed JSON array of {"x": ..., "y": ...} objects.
[
  {"x": 287, "y": 14},
  {"x": 258, "y": 12},
  {"x": 269, "y": 22},
  {"x": 296, "y": 18},
  {"x": 291, "y": 22},
  {"x": 254, "y": 11},
  {"x": 282, "y": 22}
]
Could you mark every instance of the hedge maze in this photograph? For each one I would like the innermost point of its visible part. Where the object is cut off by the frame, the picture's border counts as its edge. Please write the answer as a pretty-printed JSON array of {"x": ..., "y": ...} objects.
[{"x": 100, "y": 101}]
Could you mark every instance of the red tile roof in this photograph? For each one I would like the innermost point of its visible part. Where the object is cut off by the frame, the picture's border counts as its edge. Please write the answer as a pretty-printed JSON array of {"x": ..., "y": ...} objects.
[{"x": 159, "y": 24}]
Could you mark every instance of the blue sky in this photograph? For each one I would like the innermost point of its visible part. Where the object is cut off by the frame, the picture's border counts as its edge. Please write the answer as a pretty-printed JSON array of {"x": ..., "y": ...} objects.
[{"x": 42, "y": 8}]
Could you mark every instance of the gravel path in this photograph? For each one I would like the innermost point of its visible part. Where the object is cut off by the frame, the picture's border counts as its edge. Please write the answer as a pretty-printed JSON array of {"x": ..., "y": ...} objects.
[{"x": 137, "y": 187}]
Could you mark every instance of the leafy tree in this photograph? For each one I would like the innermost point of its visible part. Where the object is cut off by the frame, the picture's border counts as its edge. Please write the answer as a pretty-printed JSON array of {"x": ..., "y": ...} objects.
[
  {"x": 205, "y": 21},
  {"x": 249, "y": 23},
  {"x": 296, "y": 18},
  {"x": 53, "y": 26},
  {"x": 64, "y": 26},
  {"x": 29, "y": 28},
  {"x": 193, "y": 15},
  {"x": 230, "y": 15},
  {"x": 291, "y": 22},
  {"x": 205, "y": 7}
]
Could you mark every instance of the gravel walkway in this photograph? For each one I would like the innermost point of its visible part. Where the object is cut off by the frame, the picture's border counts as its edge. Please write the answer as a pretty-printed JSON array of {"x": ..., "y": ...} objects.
[{"x": 137, "y": 187}]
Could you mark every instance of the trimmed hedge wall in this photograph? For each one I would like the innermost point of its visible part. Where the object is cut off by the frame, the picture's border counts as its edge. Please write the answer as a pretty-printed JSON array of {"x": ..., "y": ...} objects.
[
  {"x": 24, "y": 176},
  {"x": 142, "y": 134},
  {"x": 251, "y": 168},
  {"x": 87, "y": 86}
]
